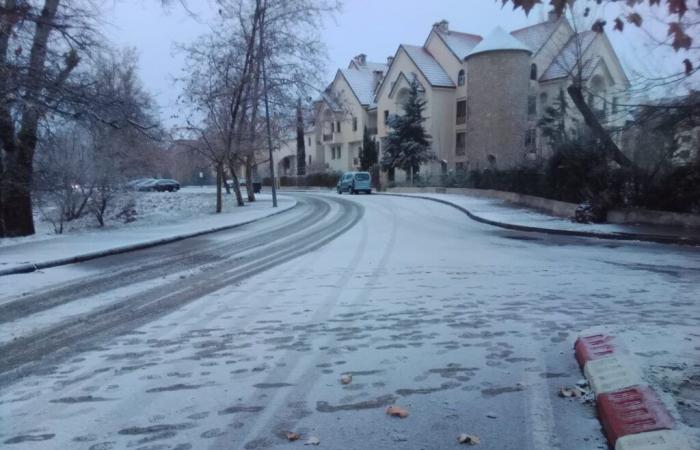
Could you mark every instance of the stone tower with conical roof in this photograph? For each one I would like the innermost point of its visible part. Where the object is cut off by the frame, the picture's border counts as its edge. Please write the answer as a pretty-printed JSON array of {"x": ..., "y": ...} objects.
[{"x": 498, "y": 71}]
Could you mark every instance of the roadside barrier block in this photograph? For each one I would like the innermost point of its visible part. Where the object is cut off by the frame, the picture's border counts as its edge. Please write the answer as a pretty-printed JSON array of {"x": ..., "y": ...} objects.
[
  {"x": 655, "y": 440},
  {"x": 612, "y": 374},
  {"x": 631, "y": 411},
  {"x": 596, "y": 346}
]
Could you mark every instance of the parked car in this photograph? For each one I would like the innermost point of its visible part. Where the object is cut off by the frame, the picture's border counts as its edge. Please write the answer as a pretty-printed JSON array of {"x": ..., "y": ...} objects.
[
  {"x": 146, "y": 185},
  {"x": 355, "y": 182},
  {"x": 134, "y": 184},
  {"x": 159, "y": 185},
  {"x": 166, "y": 185}
]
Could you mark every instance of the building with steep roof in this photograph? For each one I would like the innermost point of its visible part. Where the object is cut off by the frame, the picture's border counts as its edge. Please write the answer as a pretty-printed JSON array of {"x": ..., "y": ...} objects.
[{"x": 484, "y": 96}]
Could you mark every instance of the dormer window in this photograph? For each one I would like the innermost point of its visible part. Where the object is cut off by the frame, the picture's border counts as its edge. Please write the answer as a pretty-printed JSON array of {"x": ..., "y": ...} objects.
[{"x": 460, "y": 78}]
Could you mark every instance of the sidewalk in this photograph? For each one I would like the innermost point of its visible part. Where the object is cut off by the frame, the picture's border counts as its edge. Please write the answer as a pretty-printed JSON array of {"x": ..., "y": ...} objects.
[
  {"x": 49, "y": 251},
  {"x": 508, "y": 215}
]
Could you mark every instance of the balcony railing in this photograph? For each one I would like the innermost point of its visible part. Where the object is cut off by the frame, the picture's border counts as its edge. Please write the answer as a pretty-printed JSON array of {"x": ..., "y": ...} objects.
[
  {"x": 327, "y": 137},
  {"x": 461, "y": 120}
]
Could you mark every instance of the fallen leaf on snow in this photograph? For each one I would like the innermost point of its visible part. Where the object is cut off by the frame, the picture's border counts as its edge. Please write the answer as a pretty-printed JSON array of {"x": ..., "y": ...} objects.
[
  {"x": 292, "y": 436},
  {"x": 313, "y": 440},
  {"x": 396, "y": 411},
  {"x": 571, "y": 392},
  {"x": 469, "y": 439},
  {"x": 346, "y": 379}
]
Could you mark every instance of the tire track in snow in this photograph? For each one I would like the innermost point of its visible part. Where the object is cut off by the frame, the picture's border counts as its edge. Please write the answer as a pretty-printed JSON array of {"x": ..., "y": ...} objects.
[{"x": 26, "y": 354}]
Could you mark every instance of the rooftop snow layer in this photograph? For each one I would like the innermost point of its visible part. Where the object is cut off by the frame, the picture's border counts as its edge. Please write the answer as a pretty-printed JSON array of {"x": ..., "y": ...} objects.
[
  {"x": 430, "y": 68},
  {"x": 535, "y": 36},
  {"x": 362, "y": 83},
  {"x": 498, "y": 40},
  {"x": 460, "y": 43},
  {"x": 570, "y": 55}
]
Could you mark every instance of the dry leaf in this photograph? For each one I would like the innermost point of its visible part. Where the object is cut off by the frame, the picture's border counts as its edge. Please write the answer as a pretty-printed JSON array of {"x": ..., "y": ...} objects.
[
  {"x": 571, "y": 392},
  {"x": 396, "y": 411},
  {"x": 292, "y": 436},
  {"x": 313, "y": 440},
  {"x": 346, "y": 379},
  {"x": 469, "y": 439}
]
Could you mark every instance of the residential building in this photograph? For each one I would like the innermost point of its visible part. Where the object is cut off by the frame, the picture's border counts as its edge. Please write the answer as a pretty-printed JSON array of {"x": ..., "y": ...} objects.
[
  {"x": 343, "y": 112},
  {"x": 484, "y": 95}
]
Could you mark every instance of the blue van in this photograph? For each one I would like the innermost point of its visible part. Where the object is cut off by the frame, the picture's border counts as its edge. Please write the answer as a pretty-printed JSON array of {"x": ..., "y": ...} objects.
[{"x": 355, "y": 182}]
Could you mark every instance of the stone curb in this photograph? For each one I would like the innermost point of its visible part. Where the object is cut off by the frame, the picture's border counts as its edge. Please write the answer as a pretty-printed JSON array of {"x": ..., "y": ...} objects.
[
  {"x": 660, "y": 239},
  {"x": 631, "y": 414},
  {"x": 29, "y": 268}
]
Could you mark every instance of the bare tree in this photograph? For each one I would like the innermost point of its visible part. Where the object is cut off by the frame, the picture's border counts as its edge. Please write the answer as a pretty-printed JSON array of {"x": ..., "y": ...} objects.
[{"x": 41, "y": 44}]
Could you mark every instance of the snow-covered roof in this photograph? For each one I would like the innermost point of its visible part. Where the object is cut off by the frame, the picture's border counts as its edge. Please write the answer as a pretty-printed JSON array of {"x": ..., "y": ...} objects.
[
  {"x": 498, "y": 40},
  {"x": 428, "y": 66},
  {"x": 459, "y": 43},
  {"x": 362, "y": 83},
  {"x": 375, "y": 67},
  {"x": 569, "y": 56},
  {"x": 535, "y": 36}
]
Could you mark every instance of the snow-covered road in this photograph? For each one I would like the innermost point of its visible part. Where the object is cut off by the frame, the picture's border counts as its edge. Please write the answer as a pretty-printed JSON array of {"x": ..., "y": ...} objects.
[{"x": 468, "y": 327}]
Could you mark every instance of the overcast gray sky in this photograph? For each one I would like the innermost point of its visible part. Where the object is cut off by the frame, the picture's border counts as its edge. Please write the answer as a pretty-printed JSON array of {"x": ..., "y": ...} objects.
[{"x": 374, "y": 27}]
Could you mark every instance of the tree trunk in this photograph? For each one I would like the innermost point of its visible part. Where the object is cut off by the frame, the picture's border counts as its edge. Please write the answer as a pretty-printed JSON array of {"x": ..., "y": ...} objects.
[
  {"x": 593, "y": 123},
  {"x": 16, "y": 192},
  {"x": 249, "y": 159},
  {"x": 219, "y": 181},
  {"x": 236, "y": 185},
  {"x": 301, "y": 145}
]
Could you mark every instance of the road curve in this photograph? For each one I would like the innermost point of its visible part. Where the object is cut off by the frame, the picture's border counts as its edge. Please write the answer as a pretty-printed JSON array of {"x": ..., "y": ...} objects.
[{"x": 229, "y": 258}]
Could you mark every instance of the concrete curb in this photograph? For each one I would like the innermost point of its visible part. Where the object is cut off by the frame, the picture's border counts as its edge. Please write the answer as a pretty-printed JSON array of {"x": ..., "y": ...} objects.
[
  {"x": 629, "y": 410},
  {"x": 29, "y": 268},
  {"x": 660, "y": 239}
]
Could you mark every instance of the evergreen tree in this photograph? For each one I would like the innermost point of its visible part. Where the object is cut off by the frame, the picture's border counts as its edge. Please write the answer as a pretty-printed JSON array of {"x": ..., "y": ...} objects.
[
  {"x": 368, "y": 151},
  {"x": 407, "y": 145},
  {"x": 553, "y": 121}
]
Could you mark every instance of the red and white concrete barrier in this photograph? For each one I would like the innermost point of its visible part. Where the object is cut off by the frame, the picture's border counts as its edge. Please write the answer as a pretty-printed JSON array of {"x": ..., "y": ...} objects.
[{"x": 632, "y": 415}]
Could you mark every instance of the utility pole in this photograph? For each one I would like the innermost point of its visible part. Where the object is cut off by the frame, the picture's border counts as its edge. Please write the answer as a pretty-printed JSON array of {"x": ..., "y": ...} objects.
[{"x": 267, "y": 107}]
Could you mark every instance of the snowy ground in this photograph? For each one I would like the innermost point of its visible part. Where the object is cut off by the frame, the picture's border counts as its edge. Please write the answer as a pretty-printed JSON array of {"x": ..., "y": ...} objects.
[
  {"x": 505, "y": 212},
  {"x": 468, "y": 327},
  {"x": 158, "y": 215}
]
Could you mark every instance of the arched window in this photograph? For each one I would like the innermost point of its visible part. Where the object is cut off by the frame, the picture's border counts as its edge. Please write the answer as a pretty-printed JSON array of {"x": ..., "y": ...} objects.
[
  {"x": 460, "y": 78},
  {"x": 533, "y": 72}
]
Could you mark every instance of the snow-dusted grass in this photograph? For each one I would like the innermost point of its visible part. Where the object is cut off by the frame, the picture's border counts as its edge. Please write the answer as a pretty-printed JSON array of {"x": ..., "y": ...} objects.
[
  {"x": 152, "y": 209},
  {"x": 158, "y": 215}
]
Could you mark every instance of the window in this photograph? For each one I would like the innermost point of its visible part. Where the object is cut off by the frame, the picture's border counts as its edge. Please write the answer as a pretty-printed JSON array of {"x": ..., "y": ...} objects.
[
  {"x": 461, "y": 112},
  {"x": 614, "y": 105},
  {"x": 460, "y": 78},
  {"x": 309, "y": 142},
  {"x": 386, "y": 117},
  {"x": 543, "y": 100},
  {"x": 531, "y": 105},
  {"x": 459, "y": 167},
  {"x": 309, "y": 159},
  {"x": 337, "y": 126},
  {"x": 354, "y": 124},
  {"x": 339, "y": 152},
  {"x": 530, "y": 136},
  {"x": 461, "y": 146},
  {"x": 533, "y": 72}
]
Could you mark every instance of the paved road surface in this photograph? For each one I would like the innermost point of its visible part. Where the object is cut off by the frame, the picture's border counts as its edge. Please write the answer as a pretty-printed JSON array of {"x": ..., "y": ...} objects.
[{"x": 227, "y": 341}]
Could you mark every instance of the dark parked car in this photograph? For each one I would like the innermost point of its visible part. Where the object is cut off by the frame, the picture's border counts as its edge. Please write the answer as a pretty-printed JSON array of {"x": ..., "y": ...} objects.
[
  {"x": 166, "y": 185},
  {"x": 159, "y": 185}
]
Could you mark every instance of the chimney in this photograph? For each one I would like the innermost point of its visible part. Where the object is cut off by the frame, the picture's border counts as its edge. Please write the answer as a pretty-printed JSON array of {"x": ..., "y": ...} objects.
[
  {"x": 361, "y": 59},
  {"x": 443, "y": 26},
  {"x": 389, "y": 60}
]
